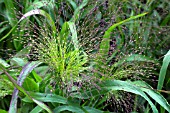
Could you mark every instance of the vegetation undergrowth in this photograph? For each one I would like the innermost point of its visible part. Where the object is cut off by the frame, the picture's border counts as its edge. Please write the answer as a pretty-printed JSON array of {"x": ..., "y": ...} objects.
[{"x": 84, "y": 56}]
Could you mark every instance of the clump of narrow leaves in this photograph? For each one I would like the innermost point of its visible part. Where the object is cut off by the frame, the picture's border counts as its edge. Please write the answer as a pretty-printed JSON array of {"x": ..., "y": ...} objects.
[
  {"x": 66, "y": 61},
  {"x": 93, "y": 60}
]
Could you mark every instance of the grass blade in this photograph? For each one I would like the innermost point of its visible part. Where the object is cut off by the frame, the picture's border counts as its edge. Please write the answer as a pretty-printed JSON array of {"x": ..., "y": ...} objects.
[
  {"x": 64, "y": 32},
  {"x": 3, "y": 29},
  {"x": 105, "y": 44},
  {"x": 92, "y": 110},
  {"x": 41, "y": 12},
  {"x": 68, "y": 108},
  {"x": 77, "y": 11},
  {"x": 37, "y": 109},
  {"x": 74, "y": 34},
  {"x": 37, "y": 5},
  {"x": 30, "y": 13},
  {"x": 112, "y": 85},
  {"x": 153, "y": 94},
  {"x": 74, "y": 5},
  {"x": 4, "y": 63},
  {"x": 13, "y": 110},
  {"x": 127, "y": 86},
  {"x": 163, "y": 70},
  {"x": 25, "y": 71},
  {"x": 166, "y": 20},
  {"x": 46, "y": 98}
]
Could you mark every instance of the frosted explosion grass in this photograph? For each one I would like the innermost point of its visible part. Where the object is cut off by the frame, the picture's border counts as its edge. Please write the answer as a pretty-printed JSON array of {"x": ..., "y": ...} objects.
[{"x": 71, "y": 66}]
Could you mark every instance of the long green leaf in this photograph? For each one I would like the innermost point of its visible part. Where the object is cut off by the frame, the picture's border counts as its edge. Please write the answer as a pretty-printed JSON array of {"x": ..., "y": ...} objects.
[
  {"x": 77, "y": 11},
  {"x": 153, "y": 94},
  {"x": 18, "y": 61},
  {"x": 46, "y": 98},
  {"x": 34, "y": 85},
  {"x": 73, "y": 3},
  {"x": 4, "y": 28},
  {"x": 30, "y": 13},
  {"x": 111, "y": 85},
  {"x": 43, "y": 13},
  {"x": 163, "y": 70},
  {"x": 64, "y": 32},
  {"x": 92, "y": 110},
  {"x": 25, "y": 71},
  {"x": 4, "y": 63},
  {"x": 74, "y": 34},
  {"x": 71, "y": 23},
  {"x": 126, "y": 86},
  {"x": 37, "y": 5},
  {"x": 166, "y": 20},
  {"x": 25, "y": 92},
  {"x": 68, "y": 108},
  {"x": 37, "y": 109},
  {"x": 105, "y": 44}
]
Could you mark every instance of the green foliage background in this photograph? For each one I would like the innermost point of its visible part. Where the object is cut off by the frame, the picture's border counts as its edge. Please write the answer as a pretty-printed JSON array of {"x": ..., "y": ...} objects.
[{"x": 84, "y": 56}]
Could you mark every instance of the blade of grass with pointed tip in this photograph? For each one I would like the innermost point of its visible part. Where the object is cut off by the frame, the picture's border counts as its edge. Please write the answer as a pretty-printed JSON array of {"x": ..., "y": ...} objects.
[
  {"x": 44, "y": 97},
  {"x": 37, "y": 5},
  {"x": 74, "y": 5},
  {"x": 18, "y": 61},
  {"x": 4, "y": 22},
  {"x": 34, "y": 85},
  {"x": 77, "y": 11},
  {"x": 37, "y": 109},
  {"x": 105, "y": 44},
  {"x": 112, "y": 85},
  {"x": 163, "y": 70},
  {"x": 4, "y": 28},
  {"x": 30, "y": 13},
  {"x": 64, "y": 32},
  {"x": 4, "y": 37},
  {"x": 4, "y": 63},
  {"x": 129, "y": 87},
  {"x": 43, "y": 13},
  {"x": 13, "y": 110},
  {"x": 165, "y": 20},
  {"x": 153, "y": 94},
  {"x": 74, "y": 34},
  {"x": 25, "y": 71}
]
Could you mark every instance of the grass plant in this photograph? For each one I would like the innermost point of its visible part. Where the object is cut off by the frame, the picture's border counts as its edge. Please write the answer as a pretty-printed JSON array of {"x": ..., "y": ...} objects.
[{"x": 84, "y": 56}]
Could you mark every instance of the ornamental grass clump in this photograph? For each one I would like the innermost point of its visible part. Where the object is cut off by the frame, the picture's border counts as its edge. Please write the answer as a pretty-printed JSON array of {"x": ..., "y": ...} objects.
[
  {"x": 66, "y": 61},
  {"x": 89, "y": 53}
]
